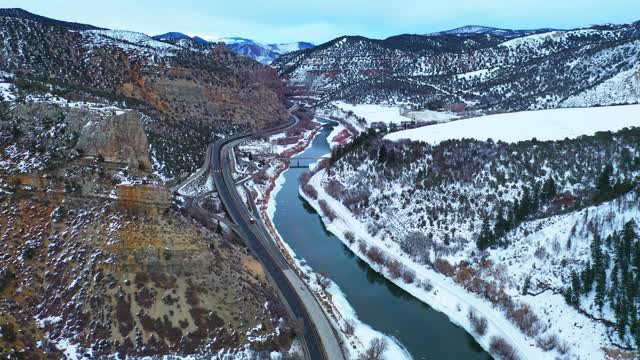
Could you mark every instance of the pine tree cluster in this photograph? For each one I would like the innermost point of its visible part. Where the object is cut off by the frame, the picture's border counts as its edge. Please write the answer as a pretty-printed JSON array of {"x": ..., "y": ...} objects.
[{"x": 613, "y": 276}]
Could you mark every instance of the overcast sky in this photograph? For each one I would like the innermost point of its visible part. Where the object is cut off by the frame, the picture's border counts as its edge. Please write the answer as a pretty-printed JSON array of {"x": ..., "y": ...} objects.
[{"x": 318, "y": 21}]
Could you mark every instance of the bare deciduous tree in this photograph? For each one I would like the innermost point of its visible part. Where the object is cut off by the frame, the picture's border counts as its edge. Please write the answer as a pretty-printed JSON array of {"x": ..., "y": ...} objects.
[{"x": 375, "y": 350}]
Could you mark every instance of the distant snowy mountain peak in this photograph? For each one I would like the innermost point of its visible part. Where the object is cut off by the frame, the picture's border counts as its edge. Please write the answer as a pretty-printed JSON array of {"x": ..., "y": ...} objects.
[{"x": 264, "y": 53}]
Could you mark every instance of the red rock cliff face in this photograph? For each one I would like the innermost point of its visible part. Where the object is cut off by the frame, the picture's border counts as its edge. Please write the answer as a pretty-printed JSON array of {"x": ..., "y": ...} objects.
[{"x": 147, "y": 199}]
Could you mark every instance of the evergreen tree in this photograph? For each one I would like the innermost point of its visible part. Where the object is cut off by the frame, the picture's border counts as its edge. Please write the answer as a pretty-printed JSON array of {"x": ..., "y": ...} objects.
[
  {"x": 575, "y": 287},
  {"x": 628, "y": 237},
  {"x": 524, "y": 207},
  {"x": 621, "y": 317},
  {"x": 549, "y": 189},
  {"x": 603, "y": 183},
  {"x": 636, "y": 255},
  {"x": 502, "y": 225},
  {"x": 587, "y": 277},
  {"x": 382, "y": 155},
  {"x": 4, "y": 110},
  {"x": 486, "y": 238},
  {"x": 601, "y": 287}
]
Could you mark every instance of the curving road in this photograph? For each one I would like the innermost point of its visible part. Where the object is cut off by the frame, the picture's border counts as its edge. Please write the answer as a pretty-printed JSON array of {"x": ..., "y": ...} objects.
[{"x": 319, "y": 340}]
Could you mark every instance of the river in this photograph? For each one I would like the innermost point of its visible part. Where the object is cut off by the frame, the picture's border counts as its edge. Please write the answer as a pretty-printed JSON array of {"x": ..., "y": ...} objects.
[{"x": 424, "y": 332}]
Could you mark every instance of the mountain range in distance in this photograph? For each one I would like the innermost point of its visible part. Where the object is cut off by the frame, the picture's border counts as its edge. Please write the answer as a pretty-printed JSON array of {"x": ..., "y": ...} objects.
[
  {"x": 264, "y": 53},
  {"x": 267, "y": 53}
]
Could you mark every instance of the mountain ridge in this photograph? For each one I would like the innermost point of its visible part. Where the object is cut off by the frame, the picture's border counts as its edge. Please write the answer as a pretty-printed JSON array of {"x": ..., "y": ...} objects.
[
  {"x": 263, "y": 53},
  {"x": 480, "y": 29},
  {"x": 545, "y": 70},
  {"x": 23, "y": 14}
]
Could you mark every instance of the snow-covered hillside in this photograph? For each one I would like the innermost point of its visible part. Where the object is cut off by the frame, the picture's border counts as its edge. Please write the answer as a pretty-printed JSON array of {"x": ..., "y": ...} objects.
[
  {"x": 554, "y": 124},
  {"x": 478, "y": 29},
  {"x": 482, "y": 69},
  {"x": 510, "y": 222}
]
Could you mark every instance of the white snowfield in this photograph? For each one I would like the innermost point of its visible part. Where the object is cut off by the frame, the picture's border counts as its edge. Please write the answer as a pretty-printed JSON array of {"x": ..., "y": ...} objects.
[
  {"x": 392, "y": 114},
  {"x": 554, "y": 124}
]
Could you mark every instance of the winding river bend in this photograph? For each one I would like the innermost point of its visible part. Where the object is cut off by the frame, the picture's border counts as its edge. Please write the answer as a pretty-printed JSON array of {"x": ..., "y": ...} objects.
[{"x": 424, "y": 332}]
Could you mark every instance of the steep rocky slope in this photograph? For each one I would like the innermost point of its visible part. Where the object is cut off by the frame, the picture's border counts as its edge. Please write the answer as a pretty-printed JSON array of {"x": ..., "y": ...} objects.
[
  {"x": 194, "y": 91},
  {"x": 97, "y": 261},
  {"x": 484, "y": 71},
  {"x": 97, "y": 258}
]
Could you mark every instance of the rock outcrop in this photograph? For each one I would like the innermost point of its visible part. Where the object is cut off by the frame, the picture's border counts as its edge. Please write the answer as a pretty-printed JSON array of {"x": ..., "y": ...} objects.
[
  {"x": 149, "y": 199},
  {"x": 119, "y": 138}
]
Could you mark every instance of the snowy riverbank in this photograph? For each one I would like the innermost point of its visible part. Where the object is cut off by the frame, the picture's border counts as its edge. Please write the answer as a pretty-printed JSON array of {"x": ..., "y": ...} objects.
[
  {"x": 445, "y": 296},
  {"x": 335, "y": 304}
]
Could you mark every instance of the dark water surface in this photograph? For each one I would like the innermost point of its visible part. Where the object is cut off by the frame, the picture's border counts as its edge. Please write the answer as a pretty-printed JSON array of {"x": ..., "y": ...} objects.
[{"x": 424, "y": 332}]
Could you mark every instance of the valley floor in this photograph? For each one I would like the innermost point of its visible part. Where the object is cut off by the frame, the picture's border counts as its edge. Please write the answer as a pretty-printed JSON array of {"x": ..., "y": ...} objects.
[{"x": 336, "y": 305}]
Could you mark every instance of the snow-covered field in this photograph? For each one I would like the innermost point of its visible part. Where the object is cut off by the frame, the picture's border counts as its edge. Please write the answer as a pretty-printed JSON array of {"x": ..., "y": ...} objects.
[
  {"x": 390, "y": 114},
  {"x": 554, "y": 124}
]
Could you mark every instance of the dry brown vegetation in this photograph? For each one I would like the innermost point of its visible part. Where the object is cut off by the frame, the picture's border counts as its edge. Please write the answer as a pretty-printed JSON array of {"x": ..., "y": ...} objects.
[
  {"x": 478, "y": 323},
  {"x": 503, "y": 349},
  {"x": 327, "y": 211}
]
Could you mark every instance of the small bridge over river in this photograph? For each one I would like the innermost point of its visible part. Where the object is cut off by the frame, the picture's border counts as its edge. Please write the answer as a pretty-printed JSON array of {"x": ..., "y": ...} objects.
[{"x": 301, "y": 162}]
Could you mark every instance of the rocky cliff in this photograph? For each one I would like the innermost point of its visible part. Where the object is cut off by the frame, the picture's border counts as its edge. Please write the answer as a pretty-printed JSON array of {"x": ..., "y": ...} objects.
[
  {"x": 118, "y": 138},
  {"x": 97, "y": 260},
  {"x": 193, "y": 91}
]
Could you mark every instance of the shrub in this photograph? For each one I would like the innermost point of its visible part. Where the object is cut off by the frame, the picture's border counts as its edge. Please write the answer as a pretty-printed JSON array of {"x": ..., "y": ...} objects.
[
  {"x": 350, "y": 237},
  {"x": 362, "y": 246},
  {"x": 6, "y": 275},
  {"x": 374, "y": 254},
  {"x": 417, "y": 245},
  {"x": 426, "y": 284},
  {"x": 548, "y": 343},
  {"x": 478, "y": 323},
  {"x": 373, "y": 229},
  {"x": 304, "y": 178},
  {"x": 502, "y": 349},
  {"x": 409, "y": 276},
  {"x": 395, "y": 268},
  {"x": 327, "y": 211},
  {"x": 563, "y": 347},
  {"x": 8, "y": 332},
  {"x": 464, "y": 276},
  {"x": 334, "y": 188},
  {"x": 310, "y": 191},
  {"x": 525, "y": 319},
  {"x": 444, "y": 267}
]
